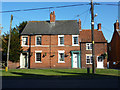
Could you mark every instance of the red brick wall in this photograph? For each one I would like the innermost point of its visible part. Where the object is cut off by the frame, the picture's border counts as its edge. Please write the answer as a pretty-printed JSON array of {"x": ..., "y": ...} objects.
[
  {"x": 48, "y": 61},
  {"x": 100, "y": 48},
  {"x": 12, "y": 65}
]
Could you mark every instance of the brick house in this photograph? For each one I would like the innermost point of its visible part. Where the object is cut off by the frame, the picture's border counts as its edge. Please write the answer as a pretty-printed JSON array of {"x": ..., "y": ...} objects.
[
  {"x": 86, "y": 48},
  {"x": 114, "y": 48},
  {"x": 60, "y": 44}
]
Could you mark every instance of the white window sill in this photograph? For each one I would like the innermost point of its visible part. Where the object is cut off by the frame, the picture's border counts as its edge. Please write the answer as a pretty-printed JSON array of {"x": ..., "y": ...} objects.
[
  {"x": 24, "y": 45},
  {"x": 38, "y": 45},
  {"x": 88, "y": 49},
  {"x": 88, "y": 63},
  {"x": 75, "y": 45},
  {"x": 37, "y": 62},
  {"x": 61, "y": 62},
  {"x": 61, "y": 45}
]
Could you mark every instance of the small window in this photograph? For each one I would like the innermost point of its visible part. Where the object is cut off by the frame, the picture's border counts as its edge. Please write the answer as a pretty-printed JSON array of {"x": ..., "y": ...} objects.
[
  {"x": 114, "y": 63},
  {"x": 89, "y": 59},
  {"x": 24, "y": 40},
  {"x": 60, "y": 40},
  {"x": 100, "y": 59},
  {"x": 88, "y": 46},
  {"x": 38, "y": 40},
  {"x": 109, "y": 48},
  {"x": 61, "y": 56},
  {"x": 75, "y": 40},
  {"x": 38, "y": 57}
]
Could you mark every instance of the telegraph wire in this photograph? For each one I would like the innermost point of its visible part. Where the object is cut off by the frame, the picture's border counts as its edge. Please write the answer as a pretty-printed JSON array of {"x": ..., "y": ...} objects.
[
  {"x": 58, "y": 7},
  {"x": 85, "y": 19},
  {"x": 107, "y": 4},
  {"x": 105, "y": 28},
  {"x": 44, "y": 8},
  {"x": 81, "y": 14}
]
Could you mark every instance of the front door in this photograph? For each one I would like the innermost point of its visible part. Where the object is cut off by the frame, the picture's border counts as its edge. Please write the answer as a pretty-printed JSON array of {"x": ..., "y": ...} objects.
[
  {"x": 24, "y": 60},
  {"x": 75, "y": 60},
  {"x": 100, "y": 62}
]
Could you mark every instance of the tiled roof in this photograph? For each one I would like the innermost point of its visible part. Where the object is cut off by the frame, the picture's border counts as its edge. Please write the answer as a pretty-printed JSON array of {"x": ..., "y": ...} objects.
[
  {"x": 45, "y": 27},
  {"x": 85, "y": 36}
]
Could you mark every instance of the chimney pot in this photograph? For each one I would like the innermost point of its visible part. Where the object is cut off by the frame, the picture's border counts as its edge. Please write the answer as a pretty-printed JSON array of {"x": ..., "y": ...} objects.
[
  {"x": 52, "y": 16},
  {"x": 79, "y": 24},
  {"x": 99, "y": 26},
  {"x": 116, "y": 25}
]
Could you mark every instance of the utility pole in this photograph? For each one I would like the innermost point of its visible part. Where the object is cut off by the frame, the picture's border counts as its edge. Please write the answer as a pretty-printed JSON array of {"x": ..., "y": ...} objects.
[
  {"x": 92, "y": 33},
  {"x": 6, "y": 68}
]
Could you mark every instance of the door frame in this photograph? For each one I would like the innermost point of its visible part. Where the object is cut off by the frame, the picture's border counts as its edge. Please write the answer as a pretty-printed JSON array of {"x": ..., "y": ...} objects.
[
  {"x": 102, "y": 61},
  {"x": 21, "y": 57},
  {"x": 79, "y": 60}
]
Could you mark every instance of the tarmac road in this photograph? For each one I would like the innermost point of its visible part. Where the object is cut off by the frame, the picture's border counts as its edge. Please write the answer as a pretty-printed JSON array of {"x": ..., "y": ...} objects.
[{"x": 57, "y": 83}]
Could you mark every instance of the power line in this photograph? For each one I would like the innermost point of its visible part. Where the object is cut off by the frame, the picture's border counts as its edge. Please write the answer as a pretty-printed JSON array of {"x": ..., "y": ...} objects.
[
  {"x": 58, "y": 7},
  {"x": 85, "y": 19},
  {"x": 106, "y": 4},
  {"x": 44, "y": 8},
  {"x": 104, "y": 28},
  {"x": 81, "y": 13}
]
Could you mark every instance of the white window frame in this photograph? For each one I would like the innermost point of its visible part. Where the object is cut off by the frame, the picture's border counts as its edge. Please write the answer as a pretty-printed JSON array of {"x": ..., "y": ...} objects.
[
  {"x": 90, "y": 58},
  {"x": 36, "y": 40},
  {"x": 61, "y": 51},
  {"x": 87, "y": 46},
  {"x": 59, "y": 40},
  {"x": 35, "y": 56},
  {"x": 22, "y": 40},
  {"x": 73, "y": 40}
]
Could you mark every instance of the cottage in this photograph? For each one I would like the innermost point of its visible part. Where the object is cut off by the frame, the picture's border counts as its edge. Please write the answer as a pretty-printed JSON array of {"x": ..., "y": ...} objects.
[
  {"x": 60, "y": 44},
  {"x": 86, "y": 48}
]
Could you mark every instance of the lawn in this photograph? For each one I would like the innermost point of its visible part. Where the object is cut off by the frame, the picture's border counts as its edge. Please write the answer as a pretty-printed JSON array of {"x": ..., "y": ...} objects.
[{"x": 38, "y": 73}]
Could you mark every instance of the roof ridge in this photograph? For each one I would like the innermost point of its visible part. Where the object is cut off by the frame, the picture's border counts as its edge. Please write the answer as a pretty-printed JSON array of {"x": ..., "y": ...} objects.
[
  {"x": 49, "y": 20},
  {"x": 89, "y": 29}
]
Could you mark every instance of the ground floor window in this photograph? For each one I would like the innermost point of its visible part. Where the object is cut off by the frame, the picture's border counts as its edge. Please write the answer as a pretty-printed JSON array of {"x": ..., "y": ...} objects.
[
  {"x": 38, "y": 56},
  {"x": 61, "y": 57},
  {"x": 88, "y": 58},
  {"x": 100, "y": 59}
]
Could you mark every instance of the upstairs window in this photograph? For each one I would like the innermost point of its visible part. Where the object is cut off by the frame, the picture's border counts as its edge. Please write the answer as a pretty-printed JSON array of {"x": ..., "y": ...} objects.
[
  {"x": 38, "y": 40},
  {"x": 24, "y": 40},
  {"x": 75, "y": 40},
  {"x": 88, "y": 46},
  {"x": 60, "y": 40}
]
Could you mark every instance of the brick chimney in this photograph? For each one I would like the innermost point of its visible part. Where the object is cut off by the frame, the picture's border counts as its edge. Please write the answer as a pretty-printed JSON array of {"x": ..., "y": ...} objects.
[
  {"x": 79, "y": 24},
  {"x": 99, "y": 26},
  {"x": 52, "y": 16},
  {"x": 116, "y": 25}
]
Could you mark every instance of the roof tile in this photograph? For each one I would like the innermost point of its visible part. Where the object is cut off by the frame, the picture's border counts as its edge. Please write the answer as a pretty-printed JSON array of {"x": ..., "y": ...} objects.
[{"x": 85, "y": 36}]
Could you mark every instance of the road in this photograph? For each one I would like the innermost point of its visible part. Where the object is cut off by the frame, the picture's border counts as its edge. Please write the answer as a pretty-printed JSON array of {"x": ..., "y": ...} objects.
[{"x": 57, "y": 83}]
